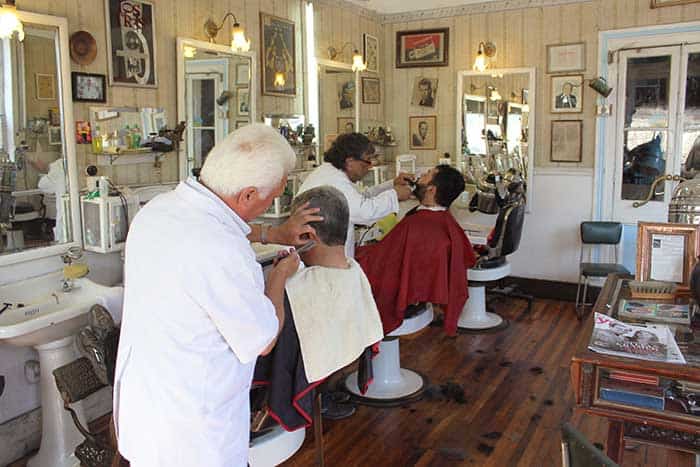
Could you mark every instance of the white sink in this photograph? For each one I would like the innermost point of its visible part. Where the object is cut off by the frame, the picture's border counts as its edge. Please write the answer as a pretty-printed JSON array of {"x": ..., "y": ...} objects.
[{"x": 48, "y": 321}]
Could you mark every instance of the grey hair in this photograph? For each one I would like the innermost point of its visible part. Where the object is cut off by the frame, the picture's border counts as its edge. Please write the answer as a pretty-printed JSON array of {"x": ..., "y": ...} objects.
[
  {"x": 254, "y": 155},
  {"x": 333, "y": 229}
]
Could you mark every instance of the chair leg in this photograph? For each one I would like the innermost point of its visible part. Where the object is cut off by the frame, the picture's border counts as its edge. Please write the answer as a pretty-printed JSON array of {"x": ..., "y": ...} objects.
[
  {"x": 585, "y": 293},
  {"x": 318, "y": 430},
  {"x": 578, "y": 293}
]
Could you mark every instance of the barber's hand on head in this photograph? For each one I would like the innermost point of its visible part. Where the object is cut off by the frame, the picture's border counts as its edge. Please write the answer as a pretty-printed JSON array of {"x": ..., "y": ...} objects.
[
  {"x": 285, "y": 265},
  {"x": 296, "y": 231},
  {"x": 404, "y": 179},
  {"x": 403, "y": 192}
]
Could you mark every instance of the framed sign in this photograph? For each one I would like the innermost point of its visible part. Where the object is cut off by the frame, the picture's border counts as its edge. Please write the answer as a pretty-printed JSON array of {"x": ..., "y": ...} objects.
[
  {"x": 663, "y": 3},
  {"x": 565, "y": 58},
  {"x": 45, "y": 87},
  {"x": 567, "y": 141},
  {"x": 278, "y": 56},
  {"x": 567, "y": 94},
  {"x": 370, "y": 91},
  {"x": 423, "y": 131},
  {"x": 131, "y": 46},
  {"x": 428, "y": 47},
  {"x": 89, "y": 87},
  {"x": 370, "y": 52},
  {"x": 667, "y": 252}
]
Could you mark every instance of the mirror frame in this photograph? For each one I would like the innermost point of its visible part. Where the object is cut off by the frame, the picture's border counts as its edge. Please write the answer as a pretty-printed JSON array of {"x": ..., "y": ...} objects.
[
  {"x": 532, "y": 121},
  {"x": 324, "y": 64},
  {"x": 181, "y": 105},
  {"x": 63, "y": 77}
]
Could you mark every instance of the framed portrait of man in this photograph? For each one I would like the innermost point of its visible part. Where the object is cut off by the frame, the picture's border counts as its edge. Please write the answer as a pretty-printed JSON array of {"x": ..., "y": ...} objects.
[
  {"x": 243, "y": 101},
  {"x": 346, "y": 95},
  {"x": 345, "y": 125},
  {"x": 424, "y": 92},
  {"x": 370, "y": 52},
  {"x": 567, "y": 94},
  {"x": 424, "y": 48},
  {"x": 278, "y": 56},
  {"x": 423, "y": 132}
]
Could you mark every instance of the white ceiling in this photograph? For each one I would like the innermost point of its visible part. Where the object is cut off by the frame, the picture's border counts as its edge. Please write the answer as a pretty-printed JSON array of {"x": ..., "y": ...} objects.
[{"x": 403, "y": 6}]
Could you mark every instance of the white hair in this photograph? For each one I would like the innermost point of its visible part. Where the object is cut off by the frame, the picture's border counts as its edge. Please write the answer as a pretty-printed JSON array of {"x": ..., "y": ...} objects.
[{"x": 255, "y": 155}]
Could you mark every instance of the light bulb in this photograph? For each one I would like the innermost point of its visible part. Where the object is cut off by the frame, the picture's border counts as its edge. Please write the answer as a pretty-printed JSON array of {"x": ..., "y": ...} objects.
[
  {"x": 495, "y": 96},
  {"x": 9, "y": 23},
  {"x": 238, "y": 42},
  {"x": 190, "y": 52},
  {"x": 480, "y": 62},
  {"x": 279, "y": 80},
  {"x": 357, "y": 63}
]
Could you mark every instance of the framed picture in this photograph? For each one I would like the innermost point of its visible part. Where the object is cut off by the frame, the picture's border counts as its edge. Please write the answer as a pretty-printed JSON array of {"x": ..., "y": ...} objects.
[
  {"x": 278, "y": 56},
  {"x": 667, "y": 252},
  {"x": 428, "y": 47},
  {"x": 243, "y": 101},
  {"x": 370, "y": 91},
  {"x": 88, "y": 87},
  {"x": 565, "y": 58},
  {"x": 424, "y": 92},
  {"x": 242, "y": 73},
  {"x": 370, "y": 52},
  {"x": 83, "y": 135},
  {"x": 131, "y": 45},
  {"x": 567, "y": 94},
  {"x": 663, "y": 3},
  {"x": 524, "y": 93},
  {"x": 345, "y": 125},
  {"x": 54, "y": 116},
  {"x": 567, "y": 141},
  {"x": 45, "y": 87},
  {"x": 55, "y": 135},
  {"x": 346, "y": 95},
  {"x": 423, "y": 131}
]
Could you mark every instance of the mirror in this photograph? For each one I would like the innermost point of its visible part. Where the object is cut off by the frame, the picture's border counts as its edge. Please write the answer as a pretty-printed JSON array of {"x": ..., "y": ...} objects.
[
  {"x": 38, "y": 176},
  {"x": 124, "y": 129},
  {"x": 496, "y": 113},
  {"x": 215, "y": 96},
  {"x": 338, "y": 101}
]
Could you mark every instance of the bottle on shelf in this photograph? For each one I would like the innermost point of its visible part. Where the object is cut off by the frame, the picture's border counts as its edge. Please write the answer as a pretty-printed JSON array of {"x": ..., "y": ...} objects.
[
  {"x": 127, "y": 138},
  {"x": 97, "y": 147},
  {"x": 135, "y": 137}
]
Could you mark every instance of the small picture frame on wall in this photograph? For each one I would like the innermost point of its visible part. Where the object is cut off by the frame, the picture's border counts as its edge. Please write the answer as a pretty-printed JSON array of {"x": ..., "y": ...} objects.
[
  {"x": 45, "y": 87},
  {"x": 242, "y": 73},
  {"x": 370, "y": 52},
  {"x": 667, "y": 252},
  {"x": 346, "y": 125},
  {"x": 55, "y": 135},
  {"x": 423, "y": 132},
  {"x": 243, "y": 101},
  {"x": 370, "y": 91},
  {"x": 566, "y": 58},
  {"x": 88, "y": 87},
  {"x": 567, "y": 94},
  {"x": 663, "y": 3},
  {"x": 567, "y": 141}
]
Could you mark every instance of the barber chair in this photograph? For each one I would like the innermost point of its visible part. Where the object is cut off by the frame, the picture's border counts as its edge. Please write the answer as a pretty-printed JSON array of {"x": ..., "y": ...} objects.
[
  {"x": 275, "y": 447},
  {"x": 492, "y": 266},
  {"x": 393, "y": 385}
]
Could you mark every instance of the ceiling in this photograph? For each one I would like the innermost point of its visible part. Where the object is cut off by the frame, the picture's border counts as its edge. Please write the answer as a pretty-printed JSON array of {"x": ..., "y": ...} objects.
[{"x": 402, "y": 6}]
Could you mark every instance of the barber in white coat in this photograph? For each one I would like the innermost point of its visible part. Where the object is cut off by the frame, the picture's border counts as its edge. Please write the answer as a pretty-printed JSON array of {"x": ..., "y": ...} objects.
[
  {"x": 347, "y": 161},
  {"x": 197, "y": 312}
]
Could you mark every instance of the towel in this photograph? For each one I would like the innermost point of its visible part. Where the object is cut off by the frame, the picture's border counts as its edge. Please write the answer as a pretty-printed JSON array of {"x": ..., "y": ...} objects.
[{"x": 335, "y": 316}]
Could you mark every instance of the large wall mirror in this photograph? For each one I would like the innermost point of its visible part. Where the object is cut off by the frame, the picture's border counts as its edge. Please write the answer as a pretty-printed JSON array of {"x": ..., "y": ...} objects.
[
  {"x": 39, "y": 212},
  {"x": 338, "y": 101},
  {"x": 216, "y": 95},
  {"x": 496, "y": 122}
]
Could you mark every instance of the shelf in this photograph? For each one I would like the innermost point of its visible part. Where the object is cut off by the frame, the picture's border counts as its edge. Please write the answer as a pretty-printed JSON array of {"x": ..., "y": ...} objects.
[{"x": 127, "y": 158}]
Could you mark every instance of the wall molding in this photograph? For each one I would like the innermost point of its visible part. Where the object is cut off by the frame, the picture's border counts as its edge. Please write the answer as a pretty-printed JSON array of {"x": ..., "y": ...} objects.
[
  {"x": 472, "y": 9},
  {"x": 564, "y": 171},
  {"x": 359, "y": 10}
]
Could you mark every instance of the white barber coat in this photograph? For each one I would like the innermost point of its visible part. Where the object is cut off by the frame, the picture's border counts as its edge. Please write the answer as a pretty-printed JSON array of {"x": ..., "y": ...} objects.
[
  {"x": 195, "y": 320},
  {"x": 365, "y": 208}
]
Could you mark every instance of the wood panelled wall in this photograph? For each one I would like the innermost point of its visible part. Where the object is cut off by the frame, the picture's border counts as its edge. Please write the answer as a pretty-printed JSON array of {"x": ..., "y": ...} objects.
[
  {"x": 521, "y": 37},
  {"x": 174, "y": 18}
]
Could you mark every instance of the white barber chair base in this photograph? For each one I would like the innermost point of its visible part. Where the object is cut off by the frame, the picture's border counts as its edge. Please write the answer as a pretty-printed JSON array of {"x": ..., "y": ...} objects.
[
  {"x": 275, "y": 447},
  {"x": 393, "y": 385},
  {"x": 474, "y": 315}
]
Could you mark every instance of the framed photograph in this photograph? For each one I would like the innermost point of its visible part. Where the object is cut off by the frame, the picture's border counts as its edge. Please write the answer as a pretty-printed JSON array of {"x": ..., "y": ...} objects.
[
  {"x": 54, "y": 116},
  {"x": 663, "y": 3},
  {"x": 423, "y": 131},
  {"x": 345, "y": 125},
  {"x": 667, "y": 252},
  {"x": 88, "y": 87},
  {"x": 567, "y": 94},
  {"x": 428, "y": 47},
  {"x": 370, "y": 52},
  {"x": 55, "y": 135},
  {"x": 567, "y": 141},
  {"x": 131, "y": 45},
  {"x": 346, "y": 95},
  {"x": 278, "y": 56},
  {"x": 45, "y": 87},
  {"x": 242, "y": 73},
  {"x": 243, "y": 101},
  {"x": 424, "y": 92},
  {"x": 83, "y": 135},
  {"x": 370, "y": 91},
  {"x": 565, "y": 58}
]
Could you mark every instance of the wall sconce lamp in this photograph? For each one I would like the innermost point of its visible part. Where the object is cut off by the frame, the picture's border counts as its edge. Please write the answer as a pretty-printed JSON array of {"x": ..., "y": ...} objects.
[
  {"x": 495, "y": 95},
  {"x": 357, "y": 63},
  {"x": 238, "y": 41},
  {"x": 486, "y": 50},
  {"x": 9, "y": 22},
  {"x": 189, "y": 51}
]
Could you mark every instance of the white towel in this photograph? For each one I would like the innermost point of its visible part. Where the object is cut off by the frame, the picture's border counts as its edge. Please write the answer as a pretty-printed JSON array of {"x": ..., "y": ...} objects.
[{"x": 335, "y": 316}]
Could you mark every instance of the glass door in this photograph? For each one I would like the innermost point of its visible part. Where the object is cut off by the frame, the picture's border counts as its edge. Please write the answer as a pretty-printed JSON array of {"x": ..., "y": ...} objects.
[{"x": 202, "y": 128}]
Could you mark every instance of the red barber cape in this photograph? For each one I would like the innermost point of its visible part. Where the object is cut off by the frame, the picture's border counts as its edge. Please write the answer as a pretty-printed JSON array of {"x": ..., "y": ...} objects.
[{"x": 423, "y": 259}]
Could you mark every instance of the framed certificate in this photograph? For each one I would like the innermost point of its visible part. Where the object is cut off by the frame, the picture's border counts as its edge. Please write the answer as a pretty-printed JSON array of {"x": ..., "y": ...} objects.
[{"x": 667, "y": 252}]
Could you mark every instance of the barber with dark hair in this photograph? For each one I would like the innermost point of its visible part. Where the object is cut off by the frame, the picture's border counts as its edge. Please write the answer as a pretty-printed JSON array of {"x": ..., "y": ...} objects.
[{"x": 347, "y": 161}]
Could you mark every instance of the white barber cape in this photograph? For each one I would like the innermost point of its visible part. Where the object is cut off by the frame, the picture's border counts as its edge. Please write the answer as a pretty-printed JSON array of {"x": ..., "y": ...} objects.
[
  {"x": 365, "y": 207},
  {"x": 195, "y": 319}
]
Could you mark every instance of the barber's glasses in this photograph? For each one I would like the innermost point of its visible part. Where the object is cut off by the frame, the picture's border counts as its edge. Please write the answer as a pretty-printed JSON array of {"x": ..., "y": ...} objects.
[{"x": 369, "y": 160}]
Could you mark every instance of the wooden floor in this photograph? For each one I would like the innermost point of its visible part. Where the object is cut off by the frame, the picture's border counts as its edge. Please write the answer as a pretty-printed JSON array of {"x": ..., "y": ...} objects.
[
  {"x": 517, "y": 391},
  {"x": 518, "y": 395}
]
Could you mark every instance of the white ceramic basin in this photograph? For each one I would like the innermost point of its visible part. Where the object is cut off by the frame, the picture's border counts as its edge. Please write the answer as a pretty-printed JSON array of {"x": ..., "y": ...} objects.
[{"x": 49, "y": 313}]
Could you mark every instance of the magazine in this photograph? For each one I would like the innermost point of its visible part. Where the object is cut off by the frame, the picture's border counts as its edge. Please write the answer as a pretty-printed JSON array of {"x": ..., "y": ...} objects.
[
  {"x": 650, "y": 342},
  {"x": 651, "y": 311}
]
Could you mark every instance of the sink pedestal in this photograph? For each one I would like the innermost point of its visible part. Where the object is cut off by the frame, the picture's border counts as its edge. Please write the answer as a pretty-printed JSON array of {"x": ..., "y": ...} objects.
[{"x": 59, "y": 436}]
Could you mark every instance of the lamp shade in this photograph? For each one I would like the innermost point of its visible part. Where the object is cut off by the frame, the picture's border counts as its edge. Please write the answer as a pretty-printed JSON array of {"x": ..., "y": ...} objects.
[
  {"x": 10, "y": 23},
  {"x": 238, "y": 41},
  {"x": 357, "y": 63}
]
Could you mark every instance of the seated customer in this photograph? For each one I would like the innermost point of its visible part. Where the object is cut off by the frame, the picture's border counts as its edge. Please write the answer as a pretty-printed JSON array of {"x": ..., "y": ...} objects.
[
  {"x": 334, "y": 318},
  {"x": 425, "y": 257}
]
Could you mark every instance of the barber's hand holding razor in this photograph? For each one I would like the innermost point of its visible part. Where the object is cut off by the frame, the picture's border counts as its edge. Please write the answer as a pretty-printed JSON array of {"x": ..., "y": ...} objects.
[
  {"x": 404, "y": 179},
  {"x": 296, "y": 230},
  {"x": 284, "y": 266}
]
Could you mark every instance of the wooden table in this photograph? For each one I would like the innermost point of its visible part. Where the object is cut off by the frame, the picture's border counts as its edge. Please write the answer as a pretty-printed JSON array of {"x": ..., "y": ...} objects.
[{"x": 670, "y": 425}]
